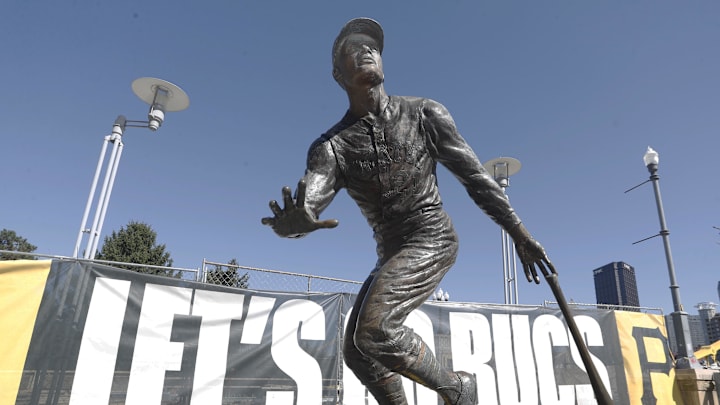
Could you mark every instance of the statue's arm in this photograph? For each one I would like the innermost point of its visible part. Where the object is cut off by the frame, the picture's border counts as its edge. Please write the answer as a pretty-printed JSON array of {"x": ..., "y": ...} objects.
[
  {"x": 451, "y": 150},
  {"x": 314, "y": 192},
  {"x": 322, "y": 177}
]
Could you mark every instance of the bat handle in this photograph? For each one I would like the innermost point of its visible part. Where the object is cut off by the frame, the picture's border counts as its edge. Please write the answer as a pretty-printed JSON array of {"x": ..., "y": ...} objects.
[{"x": 601, "y": 394}]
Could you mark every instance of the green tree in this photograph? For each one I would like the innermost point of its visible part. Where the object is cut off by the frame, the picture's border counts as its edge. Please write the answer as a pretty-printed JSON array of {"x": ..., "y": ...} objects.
[
  {"x": 228, "y": 275},
  {"x": 9, "y": 240},
  {"x": 136, "y": 243}
]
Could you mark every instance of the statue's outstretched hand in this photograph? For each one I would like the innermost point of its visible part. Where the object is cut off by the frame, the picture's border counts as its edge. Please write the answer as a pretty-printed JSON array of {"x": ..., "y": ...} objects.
[{"x": 295, "y": 220}]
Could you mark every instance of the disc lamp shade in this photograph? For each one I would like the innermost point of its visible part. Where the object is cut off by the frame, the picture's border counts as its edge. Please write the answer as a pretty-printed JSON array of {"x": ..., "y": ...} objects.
[
  {"x": 162, "y": 96},
  {"x": 502, "y": 168}
]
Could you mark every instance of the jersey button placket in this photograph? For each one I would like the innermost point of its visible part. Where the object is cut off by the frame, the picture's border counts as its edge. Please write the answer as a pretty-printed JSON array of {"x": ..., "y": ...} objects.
[{"x": 383, "y": 163}]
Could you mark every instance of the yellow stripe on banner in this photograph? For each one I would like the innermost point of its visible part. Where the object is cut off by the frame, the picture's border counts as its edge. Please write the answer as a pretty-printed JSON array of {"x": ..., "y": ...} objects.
[
  {"x": 648, "y": 366},
  {"x": 22, "y": 283}
]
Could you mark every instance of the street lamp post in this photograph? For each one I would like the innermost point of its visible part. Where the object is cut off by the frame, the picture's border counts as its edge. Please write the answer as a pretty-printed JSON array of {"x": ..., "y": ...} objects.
[
  {"x": 681, "y": 326},
  {"x": 163, "y": 97},
  {"x": 501, "y": 169}
]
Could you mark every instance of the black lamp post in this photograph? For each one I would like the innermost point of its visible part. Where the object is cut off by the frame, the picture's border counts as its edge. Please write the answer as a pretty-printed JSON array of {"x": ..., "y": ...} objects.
[{"x": 686, "y": 358}]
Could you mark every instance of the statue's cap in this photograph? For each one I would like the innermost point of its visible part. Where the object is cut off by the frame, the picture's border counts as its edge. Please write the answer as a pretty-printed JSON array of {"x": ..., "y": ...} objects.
[{"x": 361, "y": 25}]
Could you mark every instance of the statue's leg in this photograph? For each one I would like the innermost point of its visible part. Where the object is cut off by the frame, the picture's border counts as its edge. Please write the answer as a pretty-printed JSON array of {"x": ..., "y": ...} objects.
[
  {"x": 399, "y": 286},
  {"x": 384, "y": 384},
  {"x": 455, "y": 388}
]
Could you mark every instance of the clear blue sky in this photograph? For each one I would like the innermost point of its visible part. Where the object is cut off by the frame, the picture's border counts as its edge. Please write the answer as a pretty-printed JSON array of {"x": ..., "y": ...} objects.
[{"x": 575, "y": 90}]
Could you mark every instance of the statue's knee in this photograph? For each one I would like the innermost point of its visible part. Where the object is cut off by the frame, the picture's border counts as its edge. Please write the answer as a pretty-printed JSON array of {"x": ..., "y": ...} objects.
[
  {"x": 349, "y": 349},
  {"x": 371, "y": 342}
]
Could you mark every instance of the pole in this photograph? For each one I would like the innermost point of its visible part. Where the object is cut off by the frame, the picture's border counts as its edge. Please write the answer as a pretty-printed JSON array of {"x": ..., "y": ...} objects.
[
  {"x": 163, "y": 97},
  {"x": 91, "y": 196},
  {"x": 503, "y": 240},
  {"x": 509, "y": 264},
  {"x": 679, "y": 316},
  {"x": 509, "y": 269},
  {"x": 116, "y": 139},
  {"x": 104, "y": 199},
  {"x": 501, "y": 169},
  {"x": 674, "y": 288}
]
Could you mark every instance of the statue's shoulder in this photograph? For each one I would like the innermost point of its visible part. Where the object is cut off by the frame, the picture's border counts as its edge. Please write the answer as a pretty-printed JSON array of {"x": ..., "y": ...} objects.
[
  {"x": 323, "y": 141},
  {"x": 340, "y": 126},
  {"x": 408, "y": 99},
  {"x": 421, "y": 103},
  {"x": 431, "y": 108}
]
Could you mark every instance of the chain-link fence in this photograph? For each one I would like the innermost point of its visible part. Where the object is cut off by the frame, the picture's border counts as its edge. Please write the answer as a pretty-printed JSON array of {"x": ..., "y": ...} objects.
[
  {"x": 175, "y": 272},
  {"x": 227, "y": 274},
  {"x": 234, "y": 275}
]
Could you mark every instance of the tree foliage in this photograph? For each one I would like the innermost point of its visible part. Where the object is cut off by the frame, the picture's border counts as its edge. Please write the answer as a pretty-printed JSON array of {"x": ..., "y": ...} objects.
[
  {"x": 228, "y": 275},
  {"x": 136, "y": 243},
  {"x": 9, "y": 240}
]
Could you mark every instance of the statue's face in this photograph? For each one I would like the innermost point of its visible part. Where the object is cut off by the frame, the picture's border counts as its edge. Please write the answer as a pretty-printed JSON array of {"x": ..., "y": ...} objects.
[{"x": 359, "y": 62}]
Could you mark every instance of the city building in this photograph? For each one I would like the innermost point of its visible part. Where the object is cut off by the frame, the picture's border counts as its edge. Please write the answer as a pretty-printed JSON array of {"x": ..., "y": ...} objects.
[
  {"x": 706, "y": 311},
  {"x": 697, "y": 332},
  {"x": 714, "y": 329},
  {"x": 615, "y": 286},
  {"x": 711, "y": 321},
  {"x": 704, "y": 327}
]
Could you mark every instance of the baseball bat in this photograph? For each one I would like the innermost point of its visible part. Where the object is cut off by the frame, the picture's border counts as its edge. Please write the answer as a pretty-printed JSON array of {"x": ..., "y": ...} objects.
[{"x": 601, "y": 394}]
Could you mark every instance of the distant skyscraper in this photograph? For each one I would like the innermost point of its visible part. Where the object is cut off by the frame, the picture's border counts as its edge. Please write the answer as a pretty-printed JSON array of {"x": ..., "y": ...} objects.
[
  {"x": 615, "y": 285},
  {"x": 706, "y": 311},
  {"x": 714, "y": 329},
  {"x": 704, "y": 327}
]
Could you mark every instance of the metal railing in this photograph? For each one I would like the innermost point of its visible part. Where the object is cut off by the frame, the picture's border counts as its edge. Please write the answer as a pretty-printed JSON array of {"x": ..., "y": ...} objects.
[
  {"x": 177, "y": 272},
  {"x": 613, "y": 307},
  {"x": 273, "y": 280},
  {"x": 226, "y": 274}
]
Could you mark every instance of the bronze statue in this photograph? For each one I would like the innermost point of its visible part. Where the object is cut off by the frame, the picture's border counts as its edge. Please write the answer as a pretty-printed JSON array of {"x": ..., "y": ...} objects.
[{"x": 384, "y": 152}]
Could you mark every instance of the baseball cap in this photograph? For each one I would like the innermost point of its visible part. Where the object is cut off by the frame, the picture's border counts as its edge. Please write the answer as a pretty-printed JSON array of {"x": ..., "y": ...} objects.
[{"x": 361, "y": 25}]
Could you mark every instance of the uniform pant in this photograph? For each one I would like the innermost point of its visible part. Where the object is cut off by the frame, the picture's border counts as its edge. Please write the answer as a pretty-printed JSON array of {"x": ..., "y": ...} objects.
[{"x": 378, "y": 348}]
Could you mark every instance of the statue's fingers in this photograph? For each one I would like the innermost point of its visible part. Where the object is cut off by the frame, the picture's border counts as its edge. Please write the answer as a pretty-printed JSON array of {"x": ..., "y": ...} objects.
[
  {"x": 287, "y": 197},
  {"x": 328, "y": 223},
  {"x": 300, "y": 194},
  {"x": 550, "y": 266},
  {"x": 542, "y": 268},
  {"x": 275, "y": 208},
  {"x": 268, "y": 221},
  {"x": 533, "y": 271},
  {"x": 528, "y": 273}
]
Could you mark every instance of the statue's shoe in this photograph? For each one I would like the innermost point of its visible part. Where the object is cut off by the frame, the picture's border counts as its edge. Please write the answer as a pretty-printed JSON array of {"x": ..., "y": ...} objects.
[{"x": 468, "y": 389}]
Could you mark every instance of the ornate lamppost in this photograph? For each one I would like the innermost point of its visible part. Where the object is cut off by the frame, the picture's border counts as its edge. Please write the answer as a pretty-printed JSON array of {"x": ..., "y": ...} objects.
[{"x": 685, "y": 357}]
